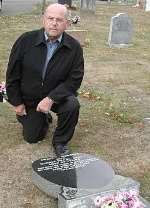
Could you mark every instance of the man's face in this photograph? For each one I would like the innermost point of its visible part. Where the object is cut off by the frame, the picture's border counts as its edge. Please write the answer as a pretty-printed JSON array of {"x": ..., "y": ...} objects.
[{"x": 55, "y": 22}]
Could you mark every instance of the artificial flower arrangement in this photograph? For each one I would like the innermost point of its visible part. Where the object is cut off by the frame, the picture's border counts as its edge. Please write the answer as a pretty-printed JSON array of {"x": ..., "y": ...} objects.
[
  {"x": 3, "y": 95},
  {"x": 120, "y": 199}
]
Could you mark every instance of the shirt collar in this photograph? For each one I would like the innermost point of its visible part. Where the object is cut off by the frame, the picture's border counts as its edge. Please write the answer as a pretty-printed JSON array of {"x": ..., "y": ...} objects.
[
  {"x": 47, "y": 40},
  {"x": 63, "y": 38}
]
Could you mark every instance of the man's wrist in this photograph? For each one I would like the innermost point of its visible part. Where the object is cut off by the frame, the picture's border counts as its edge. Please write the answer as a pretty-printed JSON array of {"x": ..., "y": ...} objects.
[{"x": 51, "y": 100}]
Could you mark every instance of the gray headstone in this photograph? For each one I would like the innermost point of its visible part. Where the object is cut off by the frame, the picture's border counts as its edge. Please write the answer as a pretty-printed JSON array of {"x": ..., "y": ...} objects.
[
  {"x": 145, "y": 202},
  {"x": 77, "y": 171},
  {"x": 88, "y": 201},
  {"x": 68, "y": 198},
  {"x": 88, "y": 5},
  {"x": 68, "y": 2},
  {"x": 78, "y": 179},
  {"x": 121, "y": 30},
  {"x": 147, "y": 5}
]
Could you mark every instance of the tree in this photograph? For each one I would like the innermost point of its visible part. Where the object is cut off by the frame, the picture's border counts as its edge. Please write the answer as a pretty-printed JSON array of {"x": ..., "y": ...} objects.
[{"x": 43, "y": 5}]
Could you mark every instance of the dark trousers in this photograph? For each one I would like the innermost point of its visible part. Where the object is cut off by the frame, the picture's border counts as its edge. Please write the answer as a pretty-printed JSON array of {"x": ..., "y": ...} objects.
[{"x": 35, "y": 124}]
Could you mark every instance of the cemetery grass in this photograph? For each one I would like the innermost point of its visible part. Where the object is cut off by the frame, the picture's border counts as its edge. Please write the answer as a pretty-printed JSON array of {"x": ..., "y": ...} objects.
[{"x": 114, "y": 97}]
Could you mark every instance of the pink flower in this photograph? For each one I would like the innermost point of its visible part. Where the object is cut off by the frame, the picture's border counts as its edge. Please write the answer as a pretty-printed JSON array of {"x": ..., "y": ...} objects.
[
  {"x": 126, "y": 199},
  {"x": 2, "y": 87},
  {"x": 98, "y": 201}
]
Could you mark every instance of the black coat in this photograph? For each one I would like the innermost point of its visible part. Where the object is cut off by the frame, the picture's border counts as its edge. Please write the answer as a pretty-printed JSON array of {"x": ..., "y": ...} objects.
[{"x": 24, "y": 73}]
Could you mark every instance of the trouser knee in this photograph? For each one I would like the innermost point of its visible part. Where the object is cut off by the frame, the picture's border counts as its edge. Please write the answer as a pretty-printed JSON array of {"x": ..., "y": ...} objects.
[
  {"x": 68, "y": 114},
  {"x": 72, "y": 104},
  {"x": 35, "y": 126},
  {"x": 32, "y": 138}
]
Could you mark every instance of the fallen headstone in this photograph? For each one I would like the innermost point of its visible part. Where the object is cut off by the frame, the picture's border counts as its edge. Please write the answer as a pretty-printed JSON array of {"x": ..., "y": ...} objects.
[
  {"x": 78, "y": 171},
  {"x": 84, "y": 181}
]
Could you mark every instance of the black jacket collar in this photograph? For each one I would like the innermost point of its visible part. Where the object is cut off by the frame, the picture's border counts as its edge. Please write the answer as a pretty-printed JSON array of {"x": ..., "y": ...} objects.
[{"x": 41, "y": 39}]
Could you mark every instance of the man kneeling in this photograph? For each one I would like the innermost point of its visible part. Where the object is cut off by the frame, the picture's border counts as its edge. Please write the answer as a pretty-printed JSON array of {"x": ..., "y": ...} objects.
[{"x": 45, "y": 70}]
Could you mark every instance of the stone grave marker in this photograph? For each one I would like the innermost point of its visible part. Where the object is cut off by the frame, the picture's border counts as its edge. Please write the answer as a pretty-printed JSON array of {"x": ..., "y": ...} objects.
[
  {"x": 121, "y": 30},
  {"x": 67, "y": 2},
  {"x": 81, "y": 180},
  {"x": 147, "y": 5},
  {"x": 88, "y": 5},
  {"x": 89, "y": 201},
  {"x": 69, "y": 198},
  {"x": 77, "y": 171}
]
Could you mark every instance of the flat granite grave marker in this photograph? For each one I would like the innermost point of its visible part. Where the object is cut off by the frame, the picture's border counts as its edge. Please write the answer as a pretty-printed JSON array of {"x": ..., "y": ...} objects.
[
  {"x": 79, "y": 171},
  {"x": 78, "y": 179},
  {"x": 121, "y": 30}
]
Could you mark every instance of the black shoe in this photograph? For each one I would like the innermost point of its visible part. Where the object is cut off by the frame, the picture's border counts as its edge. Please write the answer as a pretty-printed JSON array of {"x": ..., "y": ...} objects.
[{"x": 61, "y": 150}]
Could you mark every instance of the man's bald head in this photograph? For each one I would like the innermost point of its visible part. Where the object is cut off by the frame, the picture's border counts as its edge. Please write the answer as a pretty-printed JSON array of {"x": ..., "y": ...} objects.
[
  {"x": 55, "y": 20},
  {"x": 57, "y": 7}
]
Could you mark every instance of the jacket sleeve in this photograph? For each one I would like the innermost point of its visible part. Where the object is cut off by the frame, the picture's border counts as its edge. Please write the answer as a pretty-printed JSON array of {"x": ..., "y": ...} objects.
[
  {"x": 72, "y": 83},
  {"x": 13, "y": 74}
]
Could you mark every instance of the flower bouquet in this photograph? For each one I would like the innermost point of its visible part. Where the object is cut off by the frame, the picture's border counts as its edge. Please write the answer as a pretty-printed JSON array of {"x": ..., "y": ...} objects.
[
  {"x": 3, "y": 95},
  {"x": 120, "y": 199}
]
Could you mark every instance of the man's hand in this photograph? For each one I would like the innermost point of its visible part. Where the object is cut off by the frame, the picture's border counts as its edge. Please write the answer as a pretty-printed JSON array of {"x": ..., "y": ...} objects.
[
  {"x": 45, "y": 105},
  {"x": 20, "y": 110}
]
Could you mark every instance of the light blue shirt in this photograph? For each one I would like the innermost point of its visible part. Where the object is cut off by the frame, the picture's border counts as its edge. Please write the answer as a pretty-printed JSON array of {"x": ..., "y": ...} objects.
[{"x": 51, "y": 47}]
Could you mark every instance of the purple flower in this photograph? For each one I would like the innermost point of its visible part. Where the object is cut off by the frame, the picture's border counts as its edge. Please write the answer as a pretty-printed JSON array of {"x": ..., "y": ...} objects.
[
  {"x": 121, "y": 199},
  {"x": 2, "y": 87}
]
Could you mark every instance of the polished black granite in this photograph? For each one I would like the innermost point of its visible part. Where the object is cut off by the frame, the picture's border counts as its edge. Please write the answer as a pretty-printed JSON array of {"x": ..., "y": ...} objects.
[
  {"x": 81, "y": 171},
  {"x": 77, "y": 179}
]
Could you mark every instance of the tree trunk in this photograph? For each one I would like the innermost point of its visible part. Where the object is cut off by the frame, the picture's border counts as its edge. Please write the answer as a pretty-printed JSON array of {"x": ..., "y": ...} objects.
[{"x": 43, "y": 5}]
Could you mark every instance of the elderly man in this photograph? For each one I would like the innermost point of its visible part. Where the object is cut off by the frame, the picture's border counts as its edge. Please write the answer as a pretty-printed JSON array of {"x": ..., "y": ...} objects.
[{"x": 45, "y": 70}]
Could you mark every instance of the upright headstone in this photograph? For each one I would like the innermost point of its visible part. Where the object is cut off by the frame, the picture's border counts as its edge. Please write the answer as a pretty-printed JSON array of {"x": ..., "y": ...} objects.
[
  {"x": 88, "y": 5},
  {"x": 147, "y": 5},
  {"x": 67, "y": 2},
  {"x": 121, "y": 30}
]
